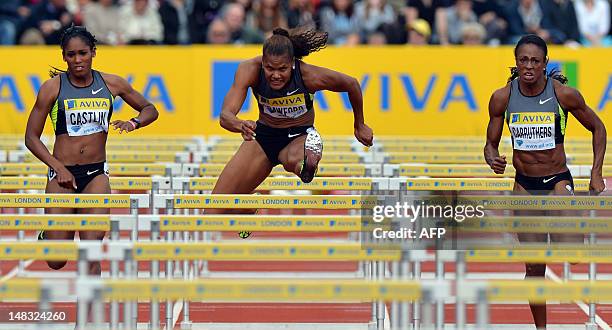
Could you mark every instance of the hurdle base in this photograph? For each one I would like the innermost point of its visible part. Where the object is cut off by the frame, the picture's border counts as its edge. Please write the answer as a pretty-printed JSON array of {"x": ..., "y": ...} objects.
[
  {"x": 186, "y": 325},
  {"x": 372, "y": 325},
  {"x": 591, "y": 326}
]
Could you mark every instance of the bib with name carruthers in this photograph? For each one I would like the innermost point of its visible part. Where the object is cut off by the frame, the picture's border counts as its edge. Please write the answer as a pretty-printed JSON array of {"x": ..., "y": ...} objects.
[
  {"x": 535, "y": 122},
  {"x": 292, "y": 101},
  {"x": 80, "y": 111}
]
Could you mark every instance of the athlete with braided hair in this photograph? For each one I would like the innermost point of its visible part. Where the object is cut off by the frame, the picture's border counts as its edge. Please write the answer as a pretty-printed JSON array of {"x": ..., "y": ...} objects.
[
  {"x": 283, "y": 86},
  {"x": 79, "y": 102},
  {"x": 535, "y": 107}
]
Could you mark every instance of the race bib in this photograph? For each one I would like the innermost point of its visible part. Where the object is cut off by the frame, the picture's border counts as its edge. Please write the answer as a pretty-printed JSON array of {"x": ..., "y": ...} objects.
[
  {"x": 86, "y": 116},
  {"x": 284, "y": 107},
  {"x": 533, "y": 130}
]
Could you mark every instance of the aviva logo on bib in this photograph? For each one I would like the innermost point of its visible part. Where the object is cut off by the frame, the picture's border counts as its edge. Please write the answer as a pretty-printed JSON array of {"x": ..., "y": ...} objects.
[
  {"x": 533, "y": 118},
  {"x": 87, "y": 104}
]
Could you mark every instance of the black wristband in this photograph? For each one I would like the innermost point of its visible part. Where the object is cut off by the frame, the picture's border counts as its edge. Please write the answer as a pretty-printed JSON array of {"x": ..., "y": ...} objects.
[{"x": 136, "y": 121}]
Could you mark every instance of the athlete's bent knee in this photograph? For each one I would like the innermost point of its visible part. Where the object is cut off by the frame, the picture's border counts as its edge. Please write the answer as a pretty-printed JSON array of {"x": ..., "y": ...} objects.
[{"x": 535, "y": 270}]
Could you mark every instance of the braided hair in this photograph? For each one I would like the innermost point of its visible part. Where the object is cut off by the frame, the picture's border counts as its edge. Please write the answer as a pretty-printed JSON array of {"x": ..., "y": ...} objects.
[
  {"x": 297, "y": 43},
  {"x": 540, "y": 43},
  {"x": 70, "y": 33}
]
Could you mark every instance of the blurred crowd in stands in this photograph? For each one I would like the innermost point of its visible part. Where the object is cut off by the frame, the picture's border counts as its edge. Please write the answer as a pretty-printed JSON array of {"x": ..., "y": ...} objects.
[{"x": 349, "y": 22}]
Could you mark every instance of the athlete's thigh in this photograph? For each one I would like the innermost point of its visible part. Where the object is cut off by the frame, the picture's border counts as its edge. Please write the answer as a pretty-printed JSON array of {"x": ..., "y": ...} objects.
[
  {"x": 518, "y": 190},
  {"x": 54, "y": 188},
  {"x": 99, "y": 185},
  {"x": 563, "y": 188},
  {"x": 245, "y": 171},
  {"x": 292, "y": 154}
]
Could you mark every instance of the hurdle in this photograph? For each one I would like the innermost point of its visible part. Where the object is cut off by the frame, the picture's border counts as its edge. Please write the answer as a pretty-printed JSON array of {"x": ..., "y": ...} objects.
[
  {"x": 325, "y": 169},
  {"x": 116, "y": 169},
  {"x": 328, "y": 157},
  {"x": 117, "y": 156},
  {"x": 114, "y": 201},
  {"x": 468, "y": 170},
  {"x": 206, "y": 201},
  {"x": 490, "y": 203},
  {"x": 97, "y": 291}
]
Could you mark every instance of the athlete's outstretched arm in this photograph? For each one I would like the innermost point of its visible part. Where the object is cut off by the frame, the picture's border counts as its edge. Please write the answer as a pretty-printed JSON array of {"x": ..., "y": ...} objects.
[
  {"x": 36, "y": 123},
  {"x": 147, "y": 112},
  {"x": 571, "y": 100},
  {"x": 318, "y": 78},
  {"x": 246, "y": 76},
  {"x": 497, "y": 105}
]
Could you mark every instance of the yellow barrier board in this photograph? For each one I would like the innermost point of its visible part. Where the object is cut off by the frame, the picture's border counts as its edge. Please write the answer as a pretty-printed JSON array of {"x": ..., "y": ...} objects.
[
  {"x": 39, "y": 183},
  {"x": 8, "y": 145},
  {"x": 54, "y": 222},
  {"x": 542, "y": 255},
  {"x": 324, "y": 170},
  {"x": 126, "y": 157},
  {"x": 233, "y": 147},
  {"x": 294, "y": 184},
  {"x": 566, "y": 225},
  {"x": 474, "y": 184},
  {"x": 134, "y": 183},
  {"x": 540, "y": 291},
  {"x": 452, "y": 170},
  {"x": 65, "y": 200},
  {"x": 449, "y": 98},
  {"x": 115, "y": 169},
  {"x": 18, "y": 183},
  {"x": 272, "y": 202},
  {"x": 137, "y": 169},
  {"x": 262, "y": 290},
  {"x": 328, "y": 157},
  {"x": 437, "y": 158},
  {"x": 141, "y": 157},
  {"x": 269, "y": 251},
  {"x": 146, "y": 147},
  {"x": 537, "y": 202},
  {"x": 20, "y": 289},
  {"x": 165, "y": 139},
  {"x": 23, "y": 169},
  {"x": 324, "y": 223},
  {"x": 38, "y": 251}
]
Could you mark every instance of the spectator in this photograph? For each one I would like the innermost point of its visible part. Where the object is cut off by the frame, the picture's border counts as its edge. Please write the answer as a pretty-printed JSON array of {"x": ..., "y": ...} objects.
[
  {"x": 174, "y": 18},
  {"x": 593, "y": 22},
  {"x": 140, "y": 23},
  {"x": 100, "y": 18},
  {"x": 371, "y": 14},
  {"x": 419, "y": 32},
  {"x": 525, "y": 17},
  {"x": 9, "y": 19},
  {"x": 218, "y": 33},
  {"x": 559, "y": 18},
  {"x": 433, "y": 12},
  {"x": 76, "y": 8},
  {"x": 457, "y": 16},
  {"x": 300, "y": 13},
  {"x": 268, "y": 15},
  {"x": 50, "y": 17},
  {"x": 490, "y": 15},
  {"x": 473, "y": 34},
  {"x": 201, "y": 13},
  {"x": 32, "y": 37},
  {"x": 233, "y": 17},
  {"x": 377, "y": 39},
  {"x": 340, "y": 22}
]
